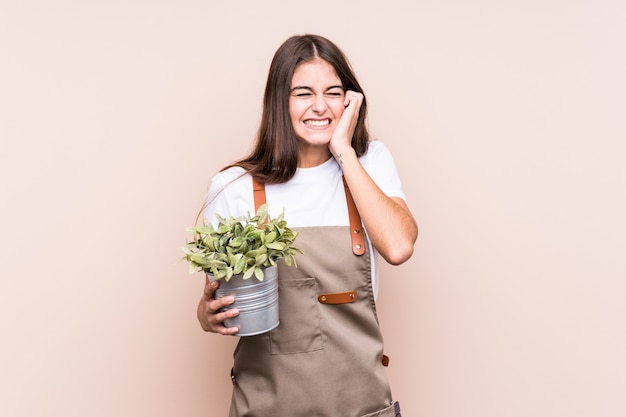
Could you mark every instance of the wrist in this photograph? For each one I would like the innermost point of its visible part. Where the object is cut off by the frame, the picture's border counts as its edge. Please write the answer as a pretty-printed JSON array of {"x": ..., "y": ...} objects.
[{"x": 343, "y": 154}]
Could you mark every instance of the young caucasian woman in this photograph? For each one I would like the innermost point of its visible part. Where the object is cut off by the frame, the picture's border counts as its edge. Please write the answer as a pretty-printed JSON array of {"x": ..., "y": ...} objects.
[{"x": 313, "y": 157}]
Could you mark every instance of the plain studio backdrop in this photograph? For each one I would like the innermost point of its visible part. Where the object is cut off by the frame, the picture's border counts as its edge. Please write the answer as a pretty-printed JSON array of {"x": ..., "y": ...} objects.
[{"x": 507, "y": 123}]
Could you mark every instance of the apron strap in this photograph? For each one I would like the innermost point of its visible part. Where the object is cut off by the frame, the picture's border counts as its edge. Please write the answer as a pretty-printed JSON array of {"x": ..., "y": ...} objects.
[
  {"x": 258, "y": 188},
  {"x": 356, "y": 229}
]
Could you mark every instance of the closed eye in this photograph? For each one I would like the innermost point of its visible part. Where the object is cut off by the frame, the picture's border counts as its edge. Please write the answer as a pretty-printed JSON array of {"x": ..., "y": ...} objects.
[{"x": 336, "y": 91}]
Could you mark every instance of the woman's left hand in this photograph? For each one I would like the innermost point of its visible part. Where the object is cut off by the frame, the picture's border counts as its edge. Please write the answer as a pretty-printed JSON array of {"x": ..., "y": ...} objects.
[{"x": 342, "y": 135}]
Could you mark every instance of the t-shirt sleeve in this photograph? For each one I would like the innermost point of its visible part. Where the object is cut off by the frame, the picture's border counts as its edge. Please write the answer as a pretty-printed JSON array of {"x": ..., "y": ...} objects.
[
  {"x": 379, "y": 164},
  {"x": 230, "y": 194},
  {"x": 216, "y": 201}
]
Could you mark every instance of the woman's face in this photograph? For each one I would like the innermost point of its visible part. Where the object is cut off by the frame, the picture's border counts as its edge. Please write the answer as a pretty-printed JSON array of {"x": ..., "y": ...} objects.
[{"x": 316, "y": 103}]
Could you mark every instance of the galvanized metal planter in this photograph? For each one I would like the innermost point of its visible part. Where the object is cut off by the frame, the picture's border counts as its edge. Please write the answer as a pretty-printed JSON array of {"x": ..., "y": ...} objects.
[{"x": 256, "y": 300}]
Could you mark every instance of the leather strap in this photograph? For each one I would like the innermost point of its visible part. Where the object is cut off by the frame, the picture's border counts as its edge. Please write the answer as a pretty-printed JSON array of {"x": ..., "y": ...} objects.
[
  {"x": 356, "y": 230},
  {"x": 258, "y": 188},
  {"x": 338, "y": 297}
]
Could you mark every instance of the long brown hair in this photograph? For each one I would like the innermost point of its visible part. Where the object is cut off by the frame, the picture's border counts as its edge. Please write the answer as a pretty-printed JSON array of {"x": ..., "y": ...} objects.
[{"x": 274, "y": 158}]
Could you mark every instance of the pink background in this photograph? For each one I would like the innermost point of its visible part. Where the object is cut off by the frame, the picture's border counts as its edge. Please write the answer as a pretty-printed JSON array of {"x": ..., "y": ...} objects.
[{"x": 507, "y": 121}]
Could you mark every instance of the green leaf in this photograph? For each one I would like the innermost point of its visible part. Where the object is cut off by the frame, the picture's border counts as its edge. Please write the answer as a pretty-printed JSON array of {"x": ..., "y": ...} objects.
[
  {"x": 240, "y": 265},
  {"x": 275, "y": 245},
  {"x": 270, "y": 237},
  {"x": 253, "y": 235},
  {"x": 236, "y": 242},
  {"x": 262, "y": 212},
  {"x": 260, "y": 260},
  {"x": 204, "y": 230},
  {"x": 209, "y": 242},
  {"x": 258, "y": 273},
  {"x": 248, "y": 273},
  {"x": 217, "y": 264},
  {"x": 223, "y": 228},
  {"x": 256, "y": 252},
  {"x": 199, "y": 259}
]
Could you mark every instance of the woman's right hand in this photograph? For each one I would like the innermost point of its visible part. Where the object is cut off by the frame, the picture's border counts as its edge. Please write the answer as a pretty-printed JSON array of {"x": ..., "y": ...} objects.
[{"x": 209, "y": 315}]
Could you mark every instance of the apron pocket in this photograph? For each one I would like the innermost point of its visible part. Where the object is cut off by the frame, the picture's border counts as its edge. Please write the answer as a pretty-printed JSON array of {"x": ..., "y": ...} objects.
[{"x": 300, "y": 319}]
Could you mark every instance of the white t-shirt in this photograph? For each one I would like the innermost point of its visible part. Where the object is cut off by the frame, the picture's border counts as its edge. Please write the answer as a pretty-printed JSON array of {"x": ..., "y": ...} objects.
[{"x": 313, "y": 197}]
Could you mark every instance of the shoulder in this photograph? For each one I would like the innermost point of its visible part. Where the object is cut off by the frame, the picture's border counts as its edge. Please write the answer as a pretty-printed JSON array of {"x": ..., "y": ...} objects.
[
  {"x": 229, "y": 180},
  {"x": 375, "y": 149},
  {"x": 230, "y": 193},
  {"x": 377, "y": 146},
  {"x": 379, "y": 164},
  {"x": 377, "y": 153},
  {"x": 229, "y": 175}
]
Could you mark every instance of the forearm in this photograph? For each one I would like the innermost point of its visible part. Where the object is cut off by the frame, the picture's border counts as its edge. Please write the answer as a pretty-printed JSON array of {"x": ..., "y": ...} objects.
[{"x": 389, "y": 222}]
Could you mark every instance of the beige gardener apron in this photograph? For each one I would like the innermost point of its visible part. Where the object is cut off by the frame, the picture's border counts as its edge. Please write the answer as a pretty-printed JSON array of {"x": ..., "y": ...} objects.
[{"x": 325, "y": 359}]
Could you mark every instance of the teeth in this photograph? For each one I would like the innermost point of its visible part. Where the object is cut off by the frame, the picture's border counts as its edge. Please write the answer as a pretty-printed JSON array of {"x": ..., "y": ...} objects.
[{"x": 317, "y": 122}]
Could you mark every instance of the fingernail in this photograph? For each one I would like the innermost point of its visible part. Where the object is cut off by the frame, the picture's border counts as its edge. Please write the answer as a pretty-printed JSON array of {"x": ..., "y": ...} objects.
[{"x": 229, "y": 299}]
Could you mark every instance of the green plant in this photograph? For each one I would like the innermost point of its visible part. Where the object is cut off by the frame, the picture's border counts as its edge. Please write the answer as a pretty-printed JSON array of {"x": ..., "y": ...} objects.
[{"x": 243, "y": 245}]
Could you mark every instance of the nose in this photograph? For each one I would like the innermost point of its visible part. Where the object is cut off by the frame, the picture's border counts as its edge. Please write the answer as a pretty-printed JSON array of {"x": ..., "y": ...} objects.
[{"x": 319, "y": 103}]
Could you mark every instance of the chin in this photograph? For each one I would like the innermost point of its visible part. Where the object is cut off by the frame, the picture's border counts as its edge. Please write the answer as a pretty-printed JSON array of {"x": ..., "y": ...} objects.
[
  {"x": 320, "y": 138},
  {"x": 317, "y": 142}
]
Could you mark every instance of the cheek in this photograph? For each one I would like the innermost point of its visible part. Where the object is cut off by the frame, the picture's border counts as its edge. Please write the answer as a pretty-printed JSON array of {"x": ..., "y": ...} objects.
[
  {"x": 296, "y": 109},
  {"x": 337, "y": 108}
]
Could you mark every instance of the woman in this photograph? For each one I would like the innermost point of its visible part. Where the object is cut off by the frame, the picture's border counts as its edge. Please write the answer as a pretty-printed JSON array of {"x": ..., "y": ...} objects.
[{"x": 314, "y": 159}]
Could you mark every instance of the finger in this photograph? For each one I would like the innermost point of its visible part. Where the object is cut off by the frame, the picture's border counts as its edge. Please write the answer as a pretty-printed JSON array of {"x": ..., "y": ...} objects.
[
  {"x": 209, "y": 289},
  {"x": 219, "y": 318},
  {"x": 353, "y": 104},
  {"x": 227, "y": 331},
  {"x": 219, "y": 303},
  {"x": 349, "y": 99},
  {"x": 352, "y": 96},
  {"x": 217, "y": 322}
]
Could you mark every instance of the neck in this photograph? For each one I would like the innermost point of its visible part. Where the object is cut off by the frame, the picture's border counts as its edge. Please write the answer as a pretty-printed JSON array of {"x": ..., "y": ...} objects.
[{"x": 310, "y": 157}]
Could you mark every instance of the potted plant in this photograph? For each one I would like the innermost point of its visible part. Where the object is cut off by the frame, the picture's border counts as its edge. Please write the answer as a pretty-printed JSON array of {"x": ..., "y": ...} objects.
[{"x": 242, "y": 252}]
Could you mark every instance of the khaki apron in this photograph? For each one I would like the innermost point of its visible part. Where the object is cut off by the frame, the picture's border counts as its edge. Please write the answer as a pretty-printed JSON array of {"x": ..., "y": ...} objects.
[{"x": 325, "y": 357}]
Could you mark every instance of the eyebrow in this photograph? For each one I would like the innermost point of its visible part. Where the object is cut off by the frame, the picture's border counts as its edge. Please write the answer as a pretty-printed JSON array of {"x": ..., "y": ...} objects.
[{"x": 303, "y": 87}]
